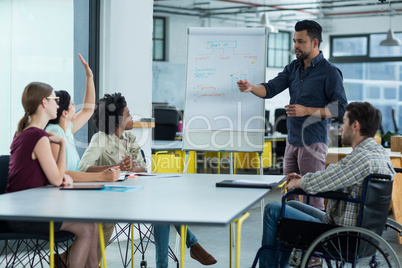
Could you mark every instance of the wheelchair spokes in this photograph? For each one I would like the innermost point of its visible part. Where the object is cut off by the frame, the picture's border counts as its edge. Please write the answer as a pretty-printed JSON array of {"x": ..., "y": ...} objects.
[{"x": 351, "y": 247}]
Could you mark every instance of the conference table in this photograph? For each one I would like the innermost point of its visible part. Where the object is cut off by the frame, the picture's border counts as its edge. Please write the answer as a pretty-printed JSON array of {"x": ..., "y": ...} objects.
[
  {"x": 337, "y": 153},
  {"x": 179, "y": 199}
]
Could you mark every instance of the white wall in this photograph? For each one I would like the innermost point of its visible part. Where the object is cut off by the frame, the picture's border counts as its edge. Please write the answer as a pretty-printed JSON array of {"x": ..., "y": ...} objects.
[
  {"x": 378, "y": 24},
  {"x": 126, "y": 58}
]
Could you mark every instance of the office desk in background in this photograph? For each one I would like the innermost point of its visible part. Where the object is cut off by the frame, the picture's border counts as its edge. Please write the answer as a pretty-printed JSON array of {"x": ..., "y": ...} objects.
[
  {"x": 337, "y": 153},
  {"x": 167, "y": 156},
  {"x": 183, "y": 199}
]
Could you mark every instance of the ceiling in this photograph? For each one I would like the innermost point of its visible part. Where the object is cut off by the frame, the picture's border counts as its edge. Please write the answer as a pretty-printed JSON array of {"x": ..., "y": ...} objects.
[{"x": 281, "y": 13}]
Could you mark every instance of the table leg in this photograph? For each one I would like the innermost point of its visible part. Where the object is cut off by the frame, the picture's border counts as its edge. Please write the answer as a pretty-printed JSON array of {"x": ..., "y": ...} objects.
[
  {"x": 230, "y": 245},
  {"x": 183, "y": 237},
  {"x": 51, "y": 243},
  {"x": 239, "y": 222},
  {"x": 102, "y": 243}
]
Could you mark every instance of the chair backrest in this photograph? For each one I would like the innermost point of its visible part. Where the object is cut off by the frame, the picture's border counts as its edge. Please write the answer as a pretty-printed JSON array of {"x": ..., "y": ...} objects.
[
  {"x": 166, "y": 123},
  {"x": 374, "y": 212},
  {"x": 280, "y": 126},
  {"x": 377, "y": 199},
  {"x": 4, "y": 161},
  {"x": 268, "y": 126},
  {"x": 280, "y": 121}
]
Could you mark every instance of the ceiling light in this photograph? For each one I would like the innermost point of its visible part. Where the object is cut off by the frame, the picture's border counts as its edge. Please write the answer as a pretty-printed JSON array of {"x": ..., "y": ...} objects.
[
  {"x": 391, "y": 40},
  {"x": 264, "y": 23}
]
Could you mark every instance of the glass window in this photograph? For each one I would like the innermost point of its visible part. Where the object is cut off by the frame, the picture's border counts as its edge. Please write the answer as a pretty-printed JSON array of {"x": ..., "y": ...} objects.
[
  {"x": 349, "y": 46},
  {"x": 375, "y": 77},
  {"x": 37, "y": 44},
  {"x": 373, "y": 92},
  {"x": 351, "y": 70},
  {"x": 389, "y": 93},
  {"x": 382, "y": 71},
  {"x": 158, "y": 37},
  {"x": 354, "y": 91},
  {"x": 384, "y": 51},
  {"x": 278, "y": 49}
]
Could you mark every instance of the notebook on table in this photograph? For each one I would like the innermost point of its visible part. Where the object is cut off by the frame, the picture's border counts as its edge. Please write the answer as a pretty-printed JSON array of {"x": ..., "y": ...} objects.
[{"x": 267, "y": 184}]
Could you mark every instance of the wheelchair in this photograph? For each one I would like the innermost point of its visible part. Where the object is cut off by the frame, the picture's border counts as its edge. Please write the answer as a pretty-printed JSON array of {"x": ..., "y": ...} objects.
[{"x": 337, "y": 246}]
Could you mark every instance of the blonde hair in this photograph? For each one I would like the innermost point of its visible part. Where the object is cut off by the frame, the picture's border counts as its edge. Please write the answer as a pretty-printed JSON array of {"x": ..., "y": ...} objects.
[{"x": 32, "y": 96}]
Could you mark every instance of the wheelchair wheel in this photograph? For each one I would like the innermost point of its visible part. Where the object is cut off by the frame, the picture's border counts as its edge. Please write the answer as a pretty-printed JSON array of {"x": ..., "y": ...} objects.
[
  {"x": 394, "y": 225},
  {"x": 351, "y": 247}
]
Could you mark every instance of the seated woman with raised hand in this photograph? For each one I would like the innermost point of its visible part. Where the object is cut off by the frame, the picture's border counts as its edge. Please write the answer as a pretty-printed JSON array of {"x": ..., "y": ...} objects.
[
  {"x": 68, "y": 122},
  {"x": 33, "y": 165},
  {"x": 114, "y": 145}
]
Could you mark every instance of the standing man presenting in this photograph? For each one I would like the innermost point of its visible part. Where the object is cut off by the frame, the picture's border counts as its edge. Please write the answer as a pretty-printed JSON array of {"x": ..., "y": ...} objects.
[{"x": 316, "y": 96}]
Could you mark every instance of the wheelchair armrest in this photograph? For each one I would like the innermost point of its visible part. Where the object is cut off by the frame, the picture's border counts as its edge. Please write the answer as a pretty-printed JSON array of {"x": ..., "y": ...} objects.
[
  {"x": 398, "y": 170},
  {"x": 329, "y": 194}
]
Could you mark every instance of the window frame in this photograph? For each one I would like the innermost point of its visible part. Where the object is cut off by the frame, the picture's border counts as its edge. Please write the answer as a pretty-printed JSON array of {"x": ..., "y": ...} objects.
[
  {"x": 278, "y": 49},
  {"x": 357, "y": 59},
  {"x": 163, "y": 19}
]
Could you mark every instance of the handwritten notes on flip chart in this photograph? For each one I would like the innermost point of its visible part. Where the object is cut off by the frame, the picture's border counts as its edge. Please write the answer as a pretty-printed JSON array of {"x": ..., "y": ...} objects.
[{"x": 216, "y": 112}]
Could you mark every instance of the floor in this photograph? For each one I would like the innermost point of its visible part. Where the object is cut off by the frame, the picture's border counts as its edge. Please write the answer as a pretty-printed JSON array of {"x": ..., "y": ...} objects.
[{"x": 216, "y": 241}]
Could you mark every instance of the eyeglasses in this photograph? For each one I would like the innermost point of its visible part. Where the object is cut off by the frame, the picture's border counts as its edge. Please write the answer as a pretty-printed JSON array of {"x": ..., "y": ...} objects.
[{"x": 56, "y": 99}]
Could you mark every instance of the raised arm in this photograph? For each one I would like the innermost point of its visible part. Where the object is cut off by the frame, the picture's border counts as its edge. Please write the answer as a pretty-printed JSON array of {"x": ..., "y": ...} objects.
[
  {"x": 54, "y": 169},
  {"x": 88, "y": 105}
]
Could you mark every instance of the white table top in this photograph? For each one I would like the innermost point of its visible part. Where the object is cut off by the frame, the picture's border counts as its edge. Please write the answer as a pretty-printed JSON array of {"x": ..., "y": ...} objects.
[{"x": 186, "y": 199}]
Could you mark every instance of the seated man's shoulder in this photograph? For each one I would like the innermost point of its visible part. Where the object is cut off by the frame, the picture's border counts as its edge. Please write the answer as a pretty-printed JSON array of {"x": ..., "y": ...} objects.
[{"x": 129, "y": 136}]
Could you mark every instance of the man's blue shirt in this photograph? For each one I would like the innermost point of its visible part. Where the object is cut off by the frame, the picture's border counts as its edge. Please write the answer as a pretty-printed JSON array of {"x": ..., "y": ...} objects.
[{"x": 319, "y": 85}]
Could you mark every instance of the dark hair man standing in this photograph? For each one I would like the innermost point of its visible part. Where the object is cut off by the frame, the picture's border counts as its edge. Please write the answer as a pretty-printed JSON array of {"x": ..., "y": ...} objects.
[{"x": 316, "y": 96}]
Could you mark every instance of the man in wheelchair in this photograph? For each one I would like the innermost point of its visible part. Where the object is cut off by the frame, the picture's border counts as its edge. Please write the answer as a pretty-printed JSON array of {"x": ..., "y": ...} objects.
[{"x": 360, "y": 123}]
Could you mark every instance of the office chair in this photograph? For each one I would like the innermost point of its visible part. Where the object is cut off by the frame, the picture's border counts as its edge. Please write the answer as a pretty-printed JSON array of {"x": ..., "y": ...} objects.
[
  {"x": 268, "y": 125},
  {"x": 166, "y": 123},
  {"x": 145, "y": 232},
  {"x": 26, "y": 249},
  {"x": 278, "y": 147}
]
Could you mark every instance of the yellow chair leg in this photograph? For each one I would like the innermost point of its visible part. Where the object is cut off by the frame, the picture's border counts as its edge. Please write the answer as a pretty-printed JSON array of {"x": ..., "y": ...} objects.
[
  {"x": 239, "y": 222},
  {"x": 102, "y": 244},
  {"x": 183, "y": 235},
  {"x": 51, "y": 243},
  {"x": 132, "y": 245}
]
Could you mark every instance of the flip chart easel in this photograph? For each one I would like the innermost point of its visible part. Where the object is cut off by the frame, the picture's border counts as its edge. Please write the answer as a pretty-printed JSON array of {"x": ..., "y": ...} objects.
[{"x": 217, "y": 116}]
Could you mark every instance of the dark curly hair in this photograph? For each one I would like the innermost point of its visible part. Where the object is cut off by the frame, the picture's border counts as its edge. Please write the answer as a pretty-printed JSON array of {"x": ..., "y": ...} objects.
[
  {"x": 314, "y": 30},
  {"x": 64, "y": 103},
  {"x": 109, "y": 112}
]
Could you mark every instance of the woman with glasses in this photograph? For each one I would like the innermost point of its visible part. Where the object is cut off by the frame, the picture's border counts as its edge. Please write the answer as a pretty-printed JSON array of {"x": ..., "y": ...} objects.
[
  {"x": 68, "y": 122},
  {"x": 33, "y": 165}
]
